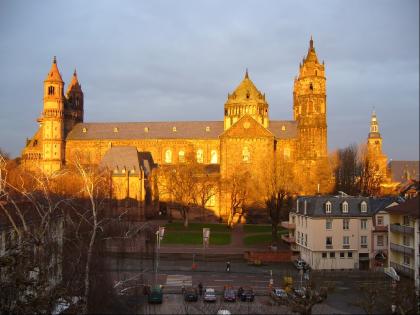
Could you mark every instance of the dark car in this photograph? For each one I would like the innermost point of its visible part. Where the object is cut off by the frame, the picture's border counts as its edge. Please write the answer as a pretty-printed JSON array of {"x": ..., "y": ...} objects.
[
  {"x": 229, "y": 294},
  {"x": 279, "y": 295},
  {"x": 247, "y": 295},
  {"x": 191, "y": 295},
  {"x": 155, "y": 295}
]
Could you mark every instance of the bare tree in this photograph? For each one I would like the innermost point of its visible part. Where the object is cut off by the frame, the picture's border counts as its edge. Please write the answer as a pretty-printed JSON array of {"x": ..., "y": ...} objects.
[{"x": 348, "y": 170}]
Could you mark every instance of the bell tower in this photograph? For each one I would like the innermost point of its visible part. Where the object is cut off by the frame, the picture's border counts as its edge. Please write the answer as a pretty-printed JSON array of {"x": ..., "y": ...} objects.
[
  {"x": 74, "y": 104},
  {"x": 310, "y": 107},
  {"x": 52, "y": 121}
]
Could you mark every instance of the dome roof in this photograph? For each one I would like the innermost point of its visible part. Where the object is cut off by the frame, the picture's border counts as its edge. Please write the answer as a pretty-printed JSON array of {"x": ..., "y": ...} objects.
[{"x": 54, "y": 74}]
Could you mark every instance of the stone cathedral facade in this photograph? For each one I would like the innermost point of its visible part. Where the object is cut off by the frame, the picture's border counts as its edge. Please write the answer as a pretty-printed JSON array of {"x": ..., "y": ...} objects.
[{"x": 247, "y": 136}]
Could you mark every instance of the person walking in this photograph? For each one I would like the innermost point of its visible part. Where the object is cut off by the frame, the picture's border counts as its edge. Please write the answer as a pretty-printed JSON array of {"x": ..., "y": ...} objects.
[{"x": 228, "y": 266}]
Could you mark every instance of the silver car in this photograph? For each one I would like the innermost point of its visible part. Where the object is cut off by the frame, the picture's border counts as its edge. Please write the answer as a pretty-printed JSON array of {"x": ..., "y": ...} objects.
[{"x": 209, "y": 295}]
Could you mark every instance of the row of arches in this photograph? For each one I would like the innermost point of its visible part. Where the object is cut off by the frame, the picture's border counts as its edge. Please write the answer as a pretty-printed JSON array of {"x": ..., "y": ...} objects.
[{"x": 168, "y": 158}]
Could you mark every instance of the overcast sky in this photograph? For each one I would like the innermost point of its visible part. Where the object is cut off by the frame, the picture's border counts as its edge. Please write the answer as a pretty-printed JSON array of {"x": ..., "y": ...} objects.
[{"x": 178, "y": 60}]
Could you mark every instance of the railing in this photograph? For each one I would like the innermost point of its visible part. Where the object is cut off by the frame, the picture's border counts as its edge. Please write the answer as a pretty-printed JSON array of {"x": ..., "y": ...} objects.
[
  {"x": 403, "y": 269},
  {"x": 402, "y": 229},
  {"x": 381, "y": 228},
  {"x": 346, "y": 246},
  {"x": 288, "y": 225},
  {"x": 402, "y": 249},
  {"x": 328, "y": 246}
]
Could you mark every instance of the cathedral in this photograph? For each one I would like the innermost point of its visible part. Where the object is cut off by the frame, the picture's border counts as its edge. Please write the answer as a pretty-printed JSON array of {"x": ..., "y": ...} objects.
[{"x": 247, "y": 137}]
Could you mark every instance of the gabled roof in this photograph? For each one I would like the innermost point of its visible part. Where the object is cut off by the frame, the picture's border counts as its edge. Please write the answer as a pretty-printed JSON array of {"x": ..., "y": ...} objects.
[
  {"x": 147, "y": 130},
  {"x": 247, "y": 127}
]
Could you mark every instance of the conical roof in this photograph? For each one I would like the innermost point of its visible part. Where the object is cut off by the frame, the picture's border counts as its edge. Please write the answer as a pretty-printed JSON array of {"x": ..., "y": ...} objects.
[
  {"x": 74, "y": 84},
  {"x": 311, "y": 56},
  {"x": 54, "y": 74},
  {"x": 246, "y": 89}
]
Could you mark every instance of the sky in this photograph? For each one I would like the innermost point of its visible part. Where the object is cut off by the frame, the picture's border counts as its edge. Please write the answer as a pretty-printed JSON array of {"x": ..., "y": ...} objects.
[{"x": 178, "y": 60}]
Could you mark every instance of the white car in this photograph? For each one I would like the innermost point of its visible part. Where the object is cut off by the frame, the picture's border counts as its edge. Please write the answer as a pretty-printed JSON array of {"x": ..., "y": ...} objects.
[{"x": 209, "y": 295}]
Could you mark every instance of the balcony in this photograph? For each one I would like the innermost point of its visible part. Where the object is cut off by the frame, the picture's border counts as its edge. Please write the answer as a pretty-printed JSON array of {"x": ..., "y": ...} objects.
[
  {"x": 288, "y": 225},
  {"x": 402, "y": 249},
  {"x": 380, "y": 228},
  {"x": 401, "y": 269},
  {"x": 397, "y": 228},
  {"x": 346, "y": 246},
  {"x": 288, "y": 239}
]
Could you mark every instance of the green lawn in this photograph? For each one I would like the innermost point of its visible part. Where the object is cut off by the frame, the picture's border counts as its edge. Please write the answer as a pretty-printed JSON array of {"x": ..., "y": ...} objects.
[
  {"x": 261, "y": 239},
  {"x": 179, "y": 226},
  {"x": 195, "y": 238},
  {"x": 259, "y": 228}
]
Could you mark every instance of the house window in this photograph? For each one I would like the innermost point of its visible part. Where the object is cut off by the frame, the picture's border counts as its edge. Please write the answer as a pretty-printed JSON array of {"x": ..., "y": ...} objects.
[
  {"x": 245, "y": 154},
  {"x": 328, "y": 241},
  {"x": 200, "y": 156},
  {"x": 350, "y": 255},
  {"x": 406, "y": 260},
  {"x": 328, "y": 207},
  {"x": 181, "y": 156},
  {"x": 406, "y": 240},
  {"x": 346, "y": 241},
  {"x": 213, "y": 157},
  {"x": 345, "y": 207},
  {"x": 168, "y": 156},
  {"x": 328, "y": 224},
  {"x": 363, "y": 241},
  {"x": 341, "y": 254},
  {"x": 346, "y": 223},
  {"x": 380, "y": 220},
  {"x": 406, "y": 220},
  {"x": 332, "y": 254},
  {"x": 306, "y": 239},
  {"x": 324, "y": 255},
  {"x": 380, "y": 240},
  {"x": 363, "y": 224},
  {"x": 298, "y": 238},
  {"x": 363, "y": 206}
]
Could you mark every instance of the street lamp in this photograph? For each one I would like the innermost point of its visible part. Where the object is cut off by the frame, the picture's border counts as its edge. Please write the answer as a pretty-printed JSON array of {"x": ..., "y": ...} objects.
[{"x": 159, "y": 236}]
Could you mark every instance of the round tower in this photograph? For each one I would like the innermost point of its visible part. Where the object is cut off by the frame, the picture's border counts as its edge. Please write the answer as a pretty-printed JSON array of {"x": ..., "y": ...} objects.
[
  {"x": 310, "y": 107},
  {"x": 52, "y": 121},
  {"x": 246, "y": 99}
]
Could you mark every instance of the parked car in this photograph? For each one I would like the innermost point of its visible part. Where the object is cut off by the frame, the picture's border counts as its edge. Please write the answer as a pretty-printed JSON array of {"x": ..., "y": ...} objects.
[
  {"x": 191, "y": 295},
  {"x": 300, "y": 292},
  {"x": 278, "y": 294},
  {"x": 247, "y": 295},
  {"x": 229, "y": 294},
  {"x": 155, "y": 295},
  {"x": 209, "y": 295}
]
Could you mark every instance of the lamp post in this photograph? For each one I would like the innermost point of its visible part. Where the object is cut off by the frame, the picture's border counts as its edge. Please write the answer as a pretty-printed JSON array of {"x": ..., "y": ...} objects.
[{"x": 159, "y": 236}]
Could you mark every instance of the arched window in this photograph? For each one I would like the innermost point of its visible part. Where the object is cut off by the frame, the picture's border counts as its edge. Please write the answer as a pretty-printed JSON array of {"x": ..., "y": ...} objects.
[
  {"x": 181, "y": 156},
  {"x": 345, "y": 207},
  {"x": 328, "y": 207},
  {"x": 363, "y": 206},
  {"x": 246, "y": 156},
  {"x": 286, "y": 153},
  {"x": 50, "y": 90},
  {"x": 213, "y": 157},
  {"x": 200, "y": 156},
  {"x": 168, "y": 156}
]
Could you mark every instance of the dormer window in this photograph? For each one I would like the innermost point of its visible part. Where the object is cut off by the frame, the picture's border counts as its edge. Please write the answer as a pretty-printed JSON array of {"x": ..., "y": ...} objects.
[
  {"x": 328, "y": 207},
  {"x": 345, "y": 207},
  {"x": 363, "y": 206},
  {"x": 84, "y": 130},
  {"x": 174, "y": 129},
  {"x": 115, "y": 129}
]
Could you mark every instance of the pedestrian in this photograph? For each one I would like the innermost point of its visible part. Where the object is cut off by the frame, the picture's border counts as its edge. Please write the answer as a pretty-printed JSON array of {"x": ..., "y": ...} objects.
[
  {"x": 240, "y": 291},
  {"x": 200, "y": 288},
  {"x": 228, "y": 266},
  {"x": 183, "y": 287}
]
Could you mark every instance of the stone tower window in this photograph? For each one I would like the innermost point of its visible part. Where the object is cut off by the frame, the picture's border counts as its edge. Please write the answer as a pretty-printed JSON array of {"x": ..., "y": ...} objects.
[
  {"x": 84, "y": 130},
  {"x": 50, "y": 90},
  {"x": 168, "y": 156}
]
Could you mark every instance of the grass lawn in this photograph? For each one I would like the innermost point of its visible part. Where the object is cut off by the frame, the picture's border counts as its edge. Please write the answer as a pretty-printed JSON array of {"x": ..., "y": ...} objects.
[
  {"x": 261, "y": 239},
  {"x": 179, "y": 226},
  {"x": 194, "y": 238},
  {"x": 260, "y": 228}
]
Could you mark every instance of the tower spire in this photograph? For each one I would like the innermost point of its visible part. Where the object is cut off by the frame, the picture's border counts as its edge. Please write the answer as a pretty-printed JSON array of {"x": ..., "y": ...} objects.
[
  {"x": 246, "y": 74},
  {"x": 311, "y": 43}
]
